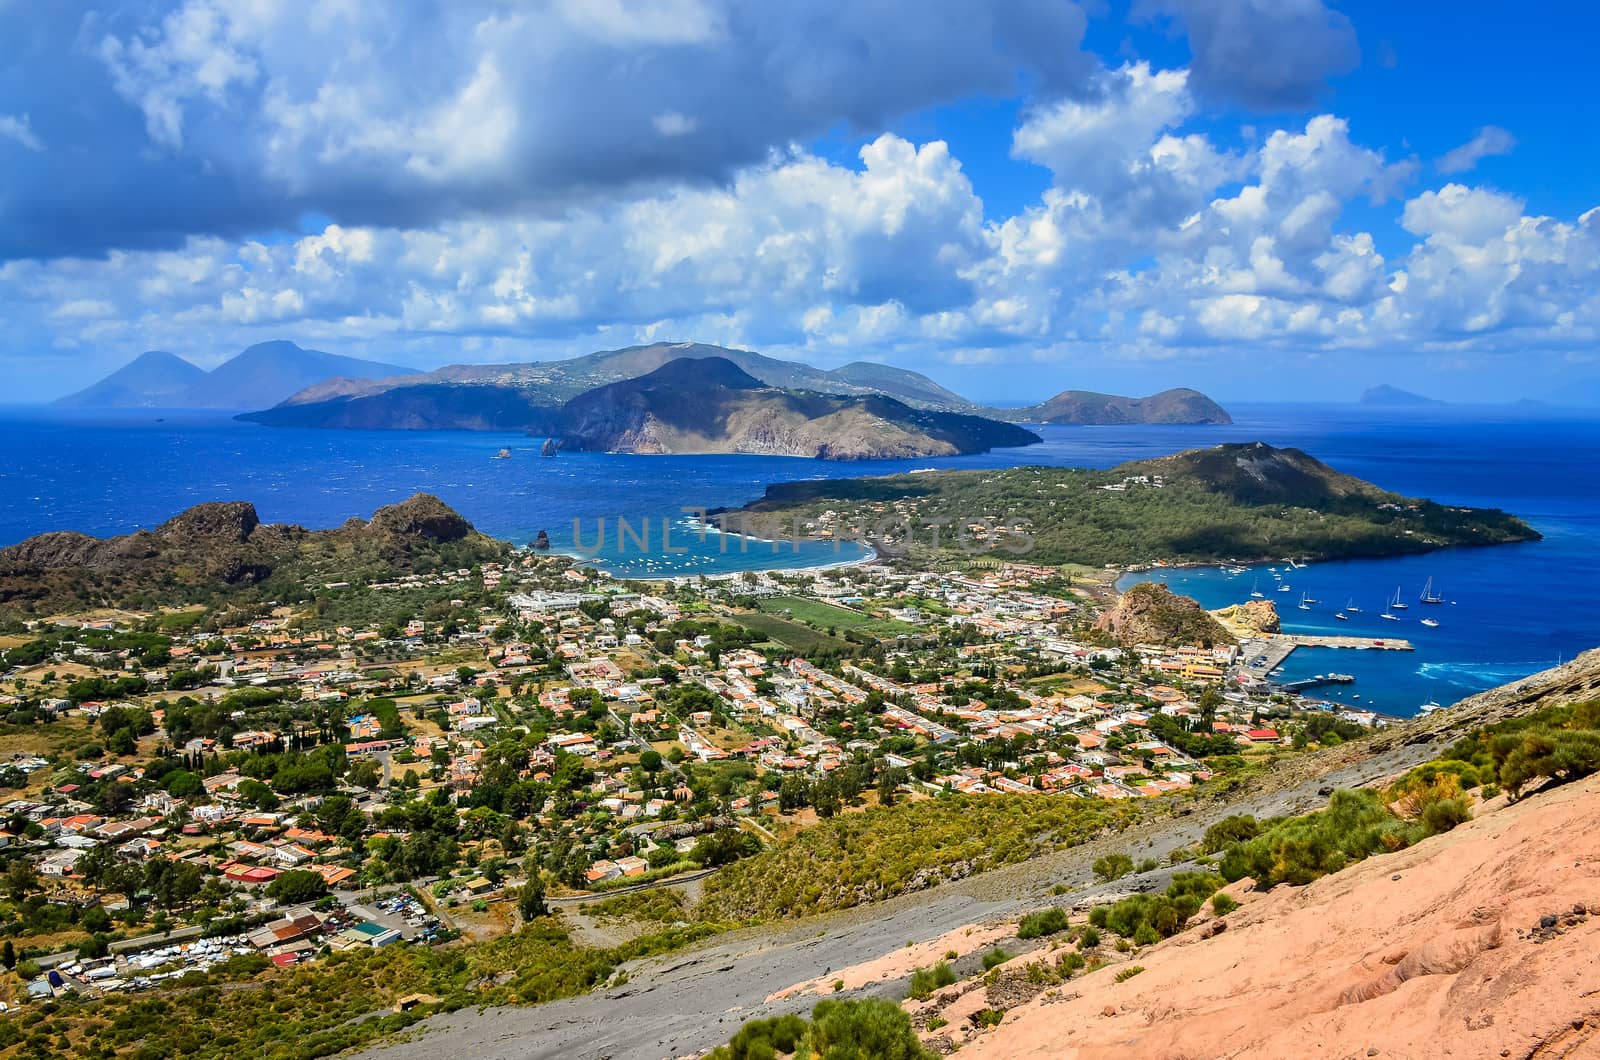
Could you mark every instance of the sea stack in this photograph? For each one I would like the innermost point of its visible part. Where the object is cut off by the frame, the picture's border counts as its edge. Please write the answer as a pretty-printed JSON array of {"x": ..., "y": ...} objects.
[
  {"x": 542, "y": 541},
  {"x": 549, "y": 447}
]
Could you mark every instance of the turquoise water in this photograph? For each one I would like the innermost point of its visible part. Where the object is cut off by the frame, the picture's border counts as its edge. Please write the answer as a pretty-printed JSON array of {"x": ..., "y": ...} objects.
[{"x": 1514, "y": 609}]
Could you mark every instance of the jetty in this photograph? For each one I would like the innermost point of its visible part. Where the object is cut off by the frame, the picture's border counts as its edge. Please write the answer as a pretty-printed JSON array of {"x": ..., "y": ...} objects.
[
  {"x": 1264, "y": 654},
  {"x": 1319, "y": 681}
]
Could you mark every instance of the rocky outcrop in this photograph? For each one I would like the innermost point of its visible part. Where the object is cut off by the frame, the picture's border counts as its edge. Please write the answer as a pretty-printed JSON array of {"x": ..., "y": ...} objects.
[
  {"x": 214, "y": 549},
  {"x": 1151, "y": 613},
  {"x": 421, "y": 515},
  {"x": 542, "y": 541},
  {"x": 1250, "y": 618}
]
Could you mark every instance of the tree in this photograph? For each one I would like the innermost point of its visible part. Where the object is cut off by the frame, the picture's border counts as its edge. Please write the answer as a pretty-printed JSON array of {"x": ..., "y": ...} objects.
[
  {"x": 650, "y": 761},
  {"x": 8, "y": 955},
  {"x": 530, "y": 900},
  {"x": 1112, "y": 867},
  {"x": 364, "y": 773},
  {"x": 297, "y": 886}
]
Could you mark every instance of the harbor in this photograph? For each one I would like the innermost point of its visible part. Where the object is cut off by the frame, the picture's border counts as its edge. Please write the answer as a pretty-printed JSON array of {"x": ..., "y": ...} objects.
[{"x": 1264, "y": 655}]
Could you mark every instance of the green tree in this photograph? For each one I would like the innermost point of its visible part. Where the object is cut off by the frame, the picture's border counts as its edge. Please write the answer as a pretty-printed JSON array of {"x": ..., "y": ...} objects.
[
  {"x": 530, "y": 900},
  {"x": 1112, "y": 867},
  {"x": 297, "y": 886}
]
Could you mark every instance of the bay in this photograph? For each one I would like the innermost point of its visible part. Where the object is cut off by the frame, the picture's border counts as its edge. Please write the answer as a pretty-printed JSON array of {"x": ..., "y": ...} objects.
[{"x": 1512, "y": 609}]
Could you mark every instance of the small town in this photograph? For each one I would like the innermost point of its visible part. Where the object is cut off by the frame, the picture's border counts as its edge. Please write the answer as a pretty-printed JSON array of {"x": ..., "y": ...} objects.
[{"x": 414, "y": 761}]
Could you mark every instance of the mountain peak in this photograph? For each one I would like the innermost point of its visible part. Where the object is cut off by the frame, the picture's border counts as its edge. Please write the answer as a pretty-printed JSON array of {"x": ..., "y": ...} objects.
[
  {"x": 1384, "y": 394},
  {"x": 702, "y": 371}
]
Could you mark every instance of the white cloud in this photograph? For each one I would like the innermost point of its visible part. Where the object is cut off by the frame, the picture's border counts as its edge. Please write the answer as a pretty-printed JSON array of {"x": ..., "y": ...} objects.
[
  {"x": 18, "y": 128},
  {"x": 1489, "y": 140}
]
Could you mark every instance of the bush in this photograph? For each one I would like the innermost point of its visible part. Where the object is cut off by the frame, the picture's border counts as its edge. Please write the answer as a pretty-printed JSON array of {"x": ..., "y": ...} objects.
[
  {"x": 856, "y": 1030},
  {"x": 1148, "y": 865},
  {"x": 1228, "y": 831},
  {"x": 1355, "y": 825},
  {"x": 995, "y": 958},
  {"x": 1112, "y": 867},
  {"x": 924, "y": 981},
  {"x": 1223, "y": 904},
  {"x": 1089, "y": 939},
  {"x": 1129, "y": 972},
  {"x": 1045, "y": 922},
  {"x": 763, "y": 1039}
]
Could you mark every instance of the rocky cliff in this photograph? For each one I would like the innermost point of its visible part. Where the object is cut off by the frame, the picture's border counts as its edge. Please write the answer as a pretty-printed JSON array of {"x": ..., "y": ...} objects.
[
  {"x": 1151, "y": 613},
  {"x": 1177, "y": 406}
]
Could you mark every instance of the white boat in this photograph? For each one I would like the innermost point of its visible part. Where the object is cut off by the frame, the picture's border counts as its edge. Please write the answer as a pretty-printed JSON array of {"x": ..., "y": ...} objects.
[
  {"x": 1341, "y": 616},
  {"x": 1431, "y": 623},
  {"x": 1396, "y": 604},
  {"x": 1255, "y": 591},
  {"x": 1305, "y": 602},
  {"x": 1386, "y": 616},
  {"x": 1428, "y": 595},
  {"x": 1429, "y": 707},
  {"x": 1352, "y": 608},
  {"x": 1284, "y": 588}
]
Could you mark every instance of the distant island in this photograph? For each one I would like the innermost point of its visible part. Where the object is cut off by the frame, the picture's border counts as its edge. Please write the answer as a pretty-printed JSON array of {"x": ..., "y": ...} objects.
[
  {"x": 529, "y": 396},
  {"x": 1238, "y": 502},
  {"x": 714, "y": 406},
  {"x": 267, "y": 372},
  {"x": 1177, "y": 406},
  {"x": 223, "y": 551},
  {"x": 1385, "y": 394}
]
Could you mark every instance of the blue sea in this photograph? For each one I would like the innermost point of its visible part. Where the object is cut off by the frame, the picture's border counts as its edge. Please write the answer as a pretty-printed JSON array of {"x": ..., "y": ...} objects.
[{"x": 1510, "y": 611}]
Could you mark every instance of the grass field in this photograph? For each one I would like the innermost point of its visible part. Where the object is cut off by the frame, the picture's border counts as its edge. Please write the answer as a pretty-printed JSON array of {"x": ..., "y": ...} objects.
[
  {"x": 791, "y": 634},
  {"x": 825, "y": 615}
]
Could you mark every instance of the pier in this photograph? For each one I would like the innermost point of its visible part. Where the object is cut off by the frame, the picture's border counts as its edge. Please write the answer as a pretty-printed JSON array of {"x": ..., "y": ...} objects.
[
  {"x": 1296, "y": 687},
  {"x": 1265, "y": 654}
]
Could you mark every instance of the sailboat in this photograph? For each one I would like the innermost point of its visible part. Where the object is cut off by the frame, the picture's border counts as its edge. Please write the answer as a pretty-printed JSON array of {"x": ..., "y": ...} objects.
[
  {"x": 1351, "y": 607},
  {"x": 1388, "y": 615},
  {"x": 1429, "y": 596},
  {"x": 1255, "y": 590},
  {"x": 1305, "y": 602},
  {"x": 1396, "y": 604},
  {"x": 1285, "y": 587},
  {"x": 1431, "y": 623},
  {"x": 1341, "y": 616},
  {"x": 1431, "y": 705}
]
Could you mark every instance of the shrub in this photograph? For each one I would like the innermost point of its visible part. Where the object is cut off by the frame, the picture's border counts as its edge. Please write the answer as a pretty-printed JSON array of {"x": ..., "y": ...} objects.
[
  {"x": 763, "y": 1039},
  {"x": 1072, "y": 962},
  {"x": 872, "y": 1027},
  {"x": 1223, "y": 904},
  {"x": 995, "y": 958},
  {"x": 924, "y": 981},
  {"x": 1147, "y": 865},
  {"x": 1112, "y": 867},
  {"x": 1043, "y": 923},
  {"x": 1228, "y": 831},
  {"x": 1354, "y": 825},
  {"x": 1129, "y": 972},
  {"x": 988, "y": 1017},
  {"x": 1089, "y": 939}
]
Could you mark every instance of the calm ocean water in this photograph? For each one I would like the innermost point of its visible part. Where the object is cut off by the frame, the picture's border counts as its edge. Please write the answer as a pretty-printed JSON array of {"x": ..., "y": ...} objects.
[{"x": 1512, "y": 610}]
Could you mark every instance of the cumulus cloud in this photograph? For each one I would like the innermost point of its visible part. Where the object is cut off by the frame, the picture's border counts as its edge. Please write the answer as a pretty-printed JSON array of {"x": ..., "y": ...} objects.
[
  {"x": 1264, "y": 54},
  {"x": 1487, "y": 141},
  {"x": 235, "y": 117}
]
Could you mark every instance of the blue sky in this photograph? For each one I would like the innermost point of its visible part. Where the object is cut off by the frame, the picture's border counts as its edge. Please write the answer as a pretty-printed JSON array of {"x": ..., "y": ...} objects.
[{"x": 1261, "y": 198}]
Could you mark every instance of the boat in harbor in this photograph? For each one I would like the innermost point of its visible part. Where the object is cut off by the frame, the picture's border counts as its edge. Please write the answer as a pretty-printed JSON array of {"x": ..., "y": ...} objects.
[
  {"x": 1341, "y": 616},
  {"x": 1431, "y": 623},
  {"x": 1284, "y": 587},
  {"x": 1428, "y": 595},
  {"x": 1397, "y": 604},
  {"x": 1255, "y": 591},
  {"x": 1305, "y": 602},
  {"x": 1350, "y": 606},
  {"x": 1389, "y": 616}
]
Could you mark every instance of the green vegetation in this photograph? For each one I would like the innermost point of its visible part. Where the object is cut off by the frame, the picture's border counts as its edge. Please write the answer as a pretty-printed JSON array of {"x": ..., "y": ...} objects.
[
  {"x": 662, "y": 906},
  {"x": 1149, "y": 918},
  {"x": 802, "y": 639},
  {"x": 1112, "y": 867},
  {"x": 995, "y": 958},
  {"x": 1045, "y": 922},
  {"x": 885, "y": 851},
  {"x": 924, "y": 981},
  {"x": 1231, "y": 502},
  {"x": 823, "y": 615},
  {"x": 867, "y": 1029},
  {"x": 1129, "y": 972},
  {"x": 1223, "y": 904},
  {"x": 340, "y": 1002}
]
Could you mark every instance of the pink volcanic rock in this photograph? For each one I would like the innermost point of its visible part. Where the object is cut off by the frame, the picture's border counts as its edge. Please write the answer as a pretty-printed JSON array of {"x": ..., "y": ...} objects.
[{"x": 1477, "y": 943}]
